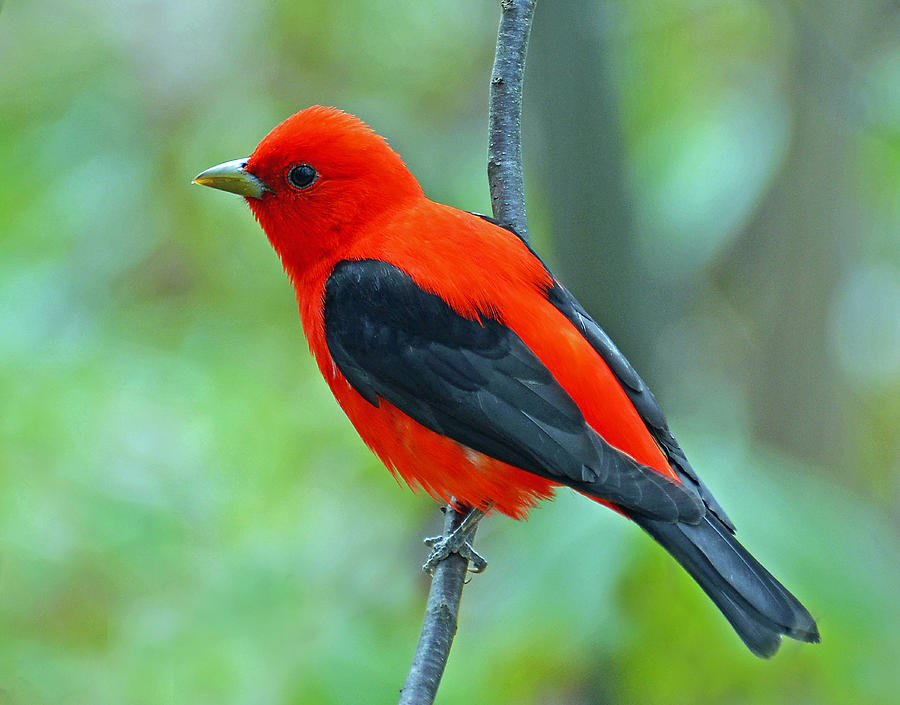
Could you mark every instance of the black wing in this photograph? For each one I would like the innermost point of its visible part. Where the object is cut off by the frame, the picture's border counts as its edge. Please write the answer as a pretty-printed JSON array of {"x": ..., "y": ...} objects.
[
  {"x": 479, "y": 384},
  {"x": 638, "y": 392},
  {"x": 759, "y": 607},
  {"x": 636, "y": 389}
]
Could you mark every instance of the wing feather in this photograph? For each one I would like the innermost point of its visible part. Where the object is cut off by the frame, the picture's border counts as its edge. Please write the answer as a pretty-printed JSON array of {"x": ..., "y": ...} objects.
[{"x": 478, "y": 383}]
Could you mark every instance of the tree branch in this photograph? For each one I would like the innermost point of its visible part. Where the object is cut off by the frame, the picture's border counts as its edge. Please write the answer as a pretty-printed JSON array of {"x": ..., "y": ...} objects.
[
  {"x": 439, "y": 626},
  {"x": 505, "y": 176},
  {"x": 507, "y": 186}
]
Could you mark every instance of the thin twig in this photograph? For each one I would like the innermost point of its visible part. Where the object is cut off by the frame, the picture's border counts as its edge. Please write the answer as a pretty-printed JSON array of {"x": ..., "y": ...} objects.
[
  {"x": 505, "y": 176},
  {"x": 439, "y": 626},
  {"x": 507, "y": 186}
]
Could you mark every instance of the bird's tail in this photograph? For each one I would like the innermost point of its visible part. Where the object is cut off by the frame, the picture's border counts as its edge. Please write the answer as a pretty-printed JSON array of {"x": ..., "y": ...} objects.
[{"x": 759, "y": 607}]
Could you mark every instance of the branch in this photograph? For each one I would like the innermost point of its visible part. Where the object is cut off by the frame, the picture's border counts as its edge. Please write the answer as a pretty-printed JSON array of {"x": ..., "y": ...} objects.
[
  {"x": 508, "y": 202},
  {"x": 439, "y": 627},
  {"x": 505, "y": 176}
]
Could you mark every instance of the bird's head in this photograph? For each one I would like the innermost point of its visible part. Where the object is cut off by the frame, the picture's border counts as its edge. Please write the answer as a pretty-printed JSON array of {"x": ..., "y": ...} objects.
[{"x": 315, "y": 181}]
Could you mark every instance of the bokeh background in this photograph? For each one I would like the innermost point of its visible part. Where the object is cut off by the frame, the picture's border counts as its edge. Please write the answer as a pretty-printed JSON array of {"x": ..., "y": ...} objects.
[{"x": 186, "y": 516}]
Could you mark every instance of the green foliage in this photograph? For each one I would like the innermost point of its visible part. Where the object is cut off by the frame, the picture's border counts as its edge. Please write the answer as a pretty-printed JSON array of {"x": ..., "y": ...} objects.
[{"x": 186, "y": 516}]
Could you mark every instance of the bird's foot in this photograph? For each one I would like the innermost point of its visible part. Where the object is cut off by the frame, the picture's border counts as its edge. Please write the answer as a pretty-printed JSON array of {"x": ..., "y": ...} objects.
[{"x": 456, "y": 542}]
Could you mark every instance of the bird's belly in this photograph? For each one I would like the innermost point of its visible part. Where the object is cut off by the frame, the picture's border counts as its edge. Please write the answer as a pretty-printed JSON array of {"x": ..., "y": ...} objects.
[{"x": 444, "y": 468}]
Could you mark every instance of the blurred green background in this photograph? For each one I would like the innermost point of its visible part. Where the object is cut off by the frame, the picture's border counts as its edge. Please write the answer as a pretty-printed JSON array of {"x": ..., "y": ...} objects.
[{"x": 186, "y": 516}]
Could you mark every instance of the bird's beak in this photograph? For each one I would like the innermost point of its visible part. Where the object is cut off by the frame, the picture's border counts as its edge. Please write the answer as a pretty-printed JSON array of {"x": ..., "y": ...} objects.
[{"x": 231, "y": 176}]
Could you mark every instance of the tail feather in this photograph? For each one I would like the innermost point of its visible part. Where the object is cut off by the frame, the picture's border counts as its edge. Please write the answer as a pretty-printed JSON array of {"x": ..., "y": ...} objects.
[{"x": 758, "y": 607}]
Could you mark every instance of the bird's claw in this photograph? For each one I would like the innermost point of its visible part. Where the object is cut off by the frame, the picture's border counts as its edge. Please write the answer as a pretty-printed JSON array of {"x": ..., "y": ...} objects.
[{"x": 457, "y": 542}]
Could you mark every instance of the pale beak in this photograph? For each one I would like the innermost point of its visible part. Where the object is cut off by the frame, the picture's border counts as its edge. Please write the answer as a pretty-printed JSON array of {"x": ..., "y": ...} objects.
[{"x": 231, "y": 176}]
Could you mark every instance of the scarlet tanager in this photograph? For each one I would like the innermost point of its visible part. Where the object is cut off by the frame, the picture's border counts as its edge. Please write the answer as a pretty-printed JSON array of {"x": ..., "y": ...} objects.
[{"x": 469, "y": 369}]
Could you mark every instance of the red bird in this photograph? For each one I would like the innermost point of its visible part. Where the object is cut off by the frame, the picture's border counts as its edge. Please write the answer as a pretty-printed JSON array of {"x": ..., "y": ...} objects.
[{"x": 469, "y": 369}]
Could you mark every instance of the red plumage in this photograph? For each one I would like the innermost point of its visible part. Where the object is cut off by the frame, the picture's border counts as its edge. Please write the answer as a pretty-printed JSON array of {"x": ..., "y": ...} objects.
[
  {"x": 327, "y": 191},
  {"x": 377, "y": 210}
]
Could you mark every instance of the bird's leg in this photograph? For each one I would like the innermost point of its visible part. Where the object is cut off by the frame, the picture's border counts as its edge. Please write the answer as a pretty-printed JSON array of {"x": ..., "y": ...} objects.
[{"x": 456, "y": 542}]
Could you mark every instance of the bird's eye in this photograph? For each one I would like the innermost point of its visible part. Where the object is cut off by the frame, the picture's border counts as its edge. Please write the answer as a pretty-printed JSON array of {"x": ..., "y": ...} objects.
[{"x": 302, "y": 176}]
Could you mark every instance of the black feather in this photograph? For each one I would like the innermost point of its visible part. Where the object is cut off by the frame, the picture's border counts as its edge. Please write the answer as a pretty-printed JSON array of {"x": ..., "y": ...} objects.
[
  {"x": 758, "y": 606},
  {"x": 638, "y": 392},
  {"x": 635, "y": 387},
  {"x": 478, "y": 383}
]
